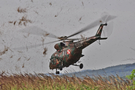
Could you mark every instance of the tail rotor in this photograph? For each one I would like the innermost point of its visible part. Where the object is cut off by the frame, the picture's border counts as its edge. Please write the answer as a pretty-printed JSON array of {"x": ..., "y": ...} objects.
[
  {"x": 109, "y": 28},
  {"x": 107, "y": 31}
]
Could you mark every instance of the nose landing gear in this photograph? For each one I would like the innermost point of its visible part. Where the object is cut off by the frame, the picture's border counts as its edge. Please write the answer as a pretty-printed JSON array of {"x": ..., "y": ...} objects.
[{"x": 57, "y": 72}]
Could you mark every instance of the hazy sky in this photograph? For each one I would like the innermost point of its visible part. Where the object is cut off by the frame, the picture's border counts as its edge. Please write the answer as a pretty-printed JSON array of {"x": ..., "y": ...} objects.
[{"x": 62, "y": 17}]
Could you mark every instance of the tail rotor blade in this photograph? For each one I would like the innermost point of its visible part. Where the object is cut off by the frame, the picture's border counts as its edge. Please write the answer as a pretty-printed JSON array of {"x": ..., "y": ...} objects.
[{"x": 108, "y": 29}]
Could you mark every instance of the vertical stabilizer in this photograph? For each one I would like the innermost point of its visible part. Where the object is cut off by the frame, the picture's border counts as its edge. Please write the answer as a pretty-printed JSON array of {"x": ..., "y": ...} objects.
[{"x": 99, "y": 32}]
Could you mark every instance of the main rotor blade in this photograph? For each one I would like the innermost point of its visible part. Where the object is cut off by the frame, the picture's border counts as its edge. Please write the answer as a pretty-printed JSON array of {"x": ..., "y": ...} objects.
[
  {"x": 94, "y": 24},
  {"x": 72, "y": 39},
  {"x": 33, "y": 46},
  {"x": 37, "y": 31}
]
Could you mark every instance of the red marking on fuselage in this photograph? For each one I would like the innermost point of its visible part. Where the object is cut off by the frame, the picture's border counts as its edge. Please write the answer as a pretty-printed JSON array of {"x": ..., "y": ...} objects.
[{"x": 68, "y": 51}]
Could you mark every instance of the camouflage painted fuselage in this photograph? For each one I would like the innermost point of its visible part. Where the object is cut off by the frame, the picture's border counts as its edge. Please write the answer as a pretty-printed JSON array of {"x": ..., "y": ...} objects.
[{"x": 69, "y": 52}]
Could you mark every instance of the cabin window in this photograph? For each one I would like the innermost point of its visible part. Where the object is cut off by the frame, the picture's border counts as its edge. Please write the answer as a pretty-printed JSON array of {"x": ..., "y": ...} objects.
[{"x": 64, "y": 52}]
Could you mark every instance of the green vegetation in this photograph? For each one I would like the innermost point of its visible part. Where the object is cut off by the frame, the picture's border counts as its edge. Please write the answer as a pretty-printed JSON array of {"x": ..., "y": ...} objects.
[
  {"x": 55, "y": 82},
  {"x": 132, "y": 77}
]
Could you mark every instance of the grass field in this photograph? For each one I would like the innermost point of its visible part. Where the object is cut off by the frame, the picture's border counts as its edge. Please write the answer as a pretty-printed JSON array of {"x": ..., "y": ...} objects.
[{"x": 55, "y": 82}]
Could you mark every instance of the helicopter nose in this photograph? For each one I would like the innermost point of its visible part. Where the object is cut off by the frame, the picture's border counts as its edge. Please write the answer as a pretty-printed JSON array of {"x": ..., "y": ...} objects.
[{"x": 54, "y": 63}]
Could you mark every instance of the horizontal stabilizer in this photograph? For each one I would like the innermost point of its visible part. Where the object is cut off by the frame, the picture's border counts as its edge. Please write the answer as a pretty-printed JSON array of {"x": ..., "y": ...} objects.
[{"x": 102, "y": 38}]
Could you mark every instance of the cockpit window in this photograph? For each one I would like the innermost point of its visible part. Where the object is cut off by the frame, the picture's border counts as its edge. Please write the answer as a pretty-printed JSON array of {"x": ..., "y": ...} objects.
[{"x": 62, "y": 44}]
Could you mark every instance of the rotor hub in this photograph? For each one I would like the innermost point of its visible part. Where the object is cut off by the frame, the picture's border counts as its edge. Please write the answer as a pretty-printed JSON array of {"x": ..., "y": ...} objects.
[{"x": 63, "y": 38}]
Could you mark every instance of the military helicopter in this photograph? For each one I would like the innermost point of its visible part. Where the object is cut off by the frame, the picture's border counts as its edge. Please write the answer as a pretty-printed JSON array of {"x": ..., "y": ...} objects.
[{"x": 69, "y": 51}]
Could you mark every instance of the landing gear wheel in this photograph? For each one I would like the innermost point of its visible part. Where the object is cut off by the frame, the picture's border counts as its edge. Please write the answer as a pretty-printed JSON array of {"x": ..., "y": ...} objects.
[
  {"x": 61, "y": 68},
  {"x": 81, "y": 66},
  {"x": 57, "y": 72}
]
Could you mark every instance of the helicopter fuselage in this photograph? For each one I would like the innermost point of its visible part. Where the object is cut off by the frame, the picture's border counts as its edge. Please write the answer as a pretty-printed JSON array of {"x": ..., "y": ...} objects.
[{"x": 70, "y": 53}]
